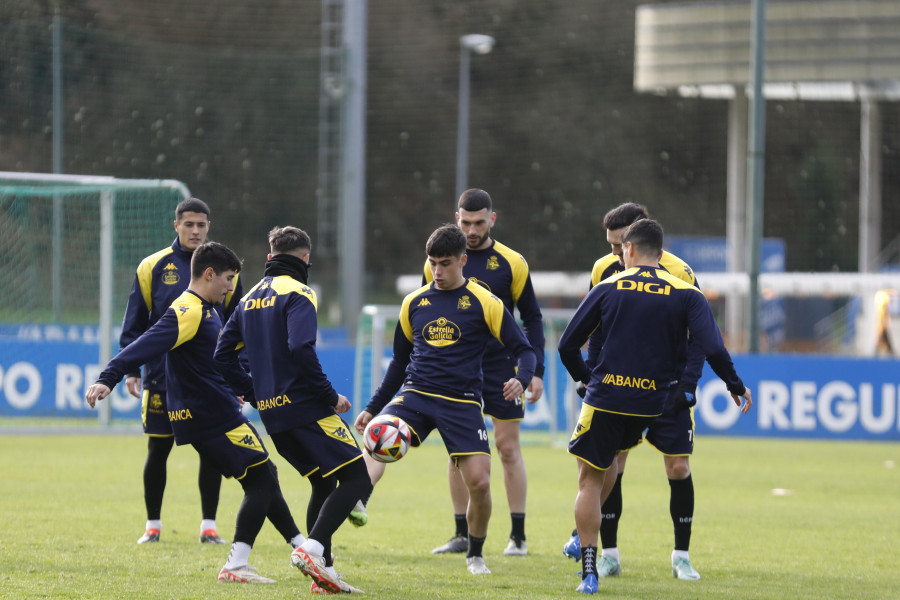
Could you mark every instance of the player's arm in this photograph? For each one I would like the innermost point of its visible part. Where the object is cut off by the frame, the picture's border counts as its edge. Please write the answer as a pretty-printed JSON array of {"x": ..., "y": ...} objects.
[
  {"x": 533, "y": 324},
  {"x": 584, "y": 322},
  {"x": 503, "y": 326},
  {"x": 395, "y": 374},
  {"x": 302, "y": 331},
  {"x": 135, "y": 323},
  {"x": 228, "y": 359},
  {"x": 709, "y": 340},
  {"x": 156, "y": 341}
]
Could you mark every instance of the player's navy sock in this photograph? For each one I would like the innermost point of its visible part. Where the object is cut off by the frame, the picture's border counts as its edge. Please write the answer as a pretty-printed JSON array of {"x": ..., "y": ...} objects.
[
  {"x": 612, "y": 510},
  {"x": 462, "y": 526},
  {"x": 158, "y": 449},
  {"x": 476, "y": 546},
  {"x": 210, "y": 482},
  {"x": 518, "y": 527},
  {"x": 588, "y": 561},
  {"x": 681, "y": 507}
]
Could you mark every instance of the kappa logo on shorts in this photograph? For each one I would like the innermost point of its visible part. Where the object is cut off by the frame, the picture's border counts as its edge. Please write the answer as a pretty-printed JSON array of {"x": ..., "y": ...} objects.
[
  {"x": 341, "y": 433},
  {"x": 248, "y": 440}
]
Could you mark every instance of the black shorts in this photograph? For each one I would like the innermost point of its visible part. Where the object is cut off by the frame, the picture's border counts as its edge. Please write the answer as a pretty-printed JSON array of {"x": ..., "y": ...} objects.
[
  {"x": 154, "y": 414},
  {"x": 672, "y": 433},
  {"x": 459, "y": 422},
  {"x": 495, "y": 405},
  {"x": 235, "y": 451},
  {"x": 325, "y": 445},
  {"x": 600, "y": 435}
]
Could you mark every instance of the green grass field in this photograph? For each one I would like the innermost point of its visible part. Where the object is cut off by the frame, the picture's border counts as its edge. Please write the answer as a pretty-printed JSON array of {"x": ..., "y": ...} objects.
[{"x": 71, "y": 510}]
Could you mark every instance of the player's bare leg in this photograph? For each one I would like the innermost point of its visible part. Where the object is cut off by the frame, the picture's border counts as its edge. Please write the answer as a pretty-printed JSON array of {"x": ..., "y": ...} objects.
[
  {"x": 459, "y": 497},
  {"x": 515, "y": 478},
  {"x": 476, "y": 472}
]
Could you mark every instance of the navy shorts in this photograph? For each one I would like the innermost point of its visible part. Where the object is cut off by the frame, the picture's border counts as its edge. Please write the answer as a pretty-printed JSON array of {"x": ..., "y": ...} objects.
[
  {"x": 325, "y": 445},
  {"x": 154, "y": 414},
  {"x": 600, "y": 435},
  {"x": 235, "y": 451},
  {"x": 495, "y": 374},
  {"x": 459, "y": 421},
  {"x": 672, "y": 433}
]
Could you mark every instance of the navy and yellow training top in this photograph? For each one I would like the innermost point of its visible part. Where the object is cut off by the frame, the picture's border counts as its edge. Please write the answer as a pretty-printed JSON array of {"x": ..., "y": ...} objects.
[
  {"x": 504, "y": 273},
  {"x": 200, "y": 403},
  {"x": 440, "y": 340},
  {"x": 160, "y": 279},
  {"x": 609, "y": 265},
  {"x": 641, "y": 318},
  {"x": 276, "y": 325}
]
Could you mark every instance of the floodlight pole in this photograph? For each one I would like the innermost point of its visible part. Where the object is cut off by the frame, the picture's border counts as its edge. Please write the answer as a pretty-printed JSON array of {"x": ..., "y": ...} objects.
[
  {"x": 481, "y": 44},
  {"x": 756, "y": 166}
]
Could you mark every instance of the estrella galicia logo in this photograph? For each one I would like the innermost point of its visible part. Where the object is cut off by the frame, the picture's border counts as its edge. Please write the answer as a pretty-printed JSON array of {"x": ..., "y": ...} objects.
[
  {"x": 441, "y": 332},
  {"x": 170, "y": 274}
]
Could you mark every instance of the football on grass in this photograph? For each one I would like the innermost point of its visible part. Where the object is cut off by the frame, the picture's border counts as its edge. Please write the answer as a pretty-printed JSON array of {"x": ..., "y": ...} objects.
[{"x": 387, "y": 438}]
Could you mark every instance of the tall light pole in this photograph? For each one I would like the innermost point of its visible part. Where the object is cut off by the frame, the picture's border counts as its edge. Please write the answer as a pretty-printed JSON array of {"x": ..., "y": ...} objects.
[{"x": 480, "y": 44}]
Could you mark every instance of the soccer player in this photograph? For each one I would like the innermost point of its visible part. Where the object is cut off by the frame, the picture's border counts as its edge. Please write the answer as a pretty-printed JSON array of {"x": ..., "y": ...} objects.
[
  {"x": 641, "y": 318},
  {"x": 160, "y": 279},
  {"x": 276, "y": 324},
  {"x": 672, "y": 433},
  {"x": 441, "y": 337},
  {"x": 202, "y": 409},
  {"x": 504, "y": 273}
]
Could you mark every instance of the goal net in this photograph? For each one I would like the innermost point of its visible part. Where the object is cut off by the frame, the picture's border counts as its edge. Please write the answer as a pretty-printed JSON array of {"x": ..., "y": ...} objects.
[{"x": 70, "y": 246}]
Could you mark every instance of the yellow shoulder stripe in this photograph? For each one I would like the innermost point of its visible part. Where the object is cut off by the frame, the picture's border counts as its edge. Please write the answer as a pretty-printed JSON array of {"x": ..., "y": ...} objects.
[
  {"x": 189, "y": 312},
  {"x": 677, "y": 267},
  {"x": 600, "y": 266},
  {"x": 404, "y": 311},
  {"x": 284, "y": 284},
  {"x": 491, "y": 306},
  {"x": 145, "y": 274},
  {"x": 517, "y": 265}
]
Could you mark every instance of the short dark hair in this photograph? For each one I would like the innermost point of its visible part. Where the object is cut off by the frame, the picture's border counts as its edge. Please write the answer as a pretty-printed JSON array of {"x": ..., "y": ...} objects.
[
  {"x": 191, "y": 205},
  {"x": 213, "y": 254},
  {"x": 446, "y": 240},
  {"x": 624, "y": 215},
  {"x": 474, "y": 200},
  {"x": 287, "y": 239},
  {"x": 646, "y": 235}
]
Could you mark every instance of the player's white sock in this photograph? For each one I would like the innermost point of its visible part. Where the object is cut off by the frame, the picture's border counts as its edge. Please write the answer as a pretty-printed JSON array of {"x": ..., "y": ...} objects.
[
  {"x": 154, "y": 524},
  {"x": 297, "y": 540},
  {"x": 239, "y": 555},
  {"x": 680, "y": 554},
  {"x": 614, "y": 552},
  {"x": 311, "y": 546},
  {"x": 331, "y": 571},
  {"x": 207, "y": 524}
]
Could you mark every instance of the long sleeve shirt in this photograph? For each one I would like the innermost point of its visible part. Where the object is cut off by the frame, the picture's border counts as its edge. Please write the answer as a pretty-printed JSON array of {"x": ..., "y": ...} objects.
[
  {"x": 160, "y": 279},
  {"x": 440, "y": 340},
  {"x": 641, "y": 318},
  {"x": 276, "y": 325},
  {"x": 504, "y": 272},
  {"x": 200, "y": 404}
]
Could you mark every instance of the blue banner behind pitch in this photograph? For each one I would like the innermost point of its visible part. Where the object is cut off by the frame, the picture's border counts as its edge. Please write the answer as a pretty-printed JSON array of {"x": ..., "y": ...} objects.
[{"x": 794, "y": 396}]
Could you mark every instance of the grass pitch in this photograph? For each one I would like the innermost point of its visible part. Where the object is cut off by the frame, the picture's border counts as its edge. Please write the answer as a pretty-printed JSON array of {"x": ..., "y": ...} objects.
[{"x": 71, "y": 509}]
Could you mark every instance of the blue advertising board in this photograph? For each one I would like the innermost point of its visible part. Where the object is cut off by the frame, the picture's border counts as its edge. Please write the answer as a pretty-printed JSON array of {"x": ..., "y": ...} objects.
[{"x": 793, "y": 395}]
